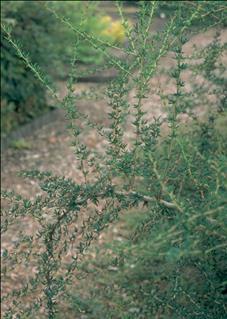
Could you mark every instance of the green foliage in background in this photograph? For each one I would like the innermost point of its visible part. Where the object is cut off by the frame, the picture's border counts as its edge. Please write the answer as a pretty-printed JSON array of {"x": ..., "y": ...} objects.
[
  {"x": 169, "y": 7},
  {"x": 167, "y": 181},
  {"x": 49, "y": 44},
  {"x": 22, "y": 96}
]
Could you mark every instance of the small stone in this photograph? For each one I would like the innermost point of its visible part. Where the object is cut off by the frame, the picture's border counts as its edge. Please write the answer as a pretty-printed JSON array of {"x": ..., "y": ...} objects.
[
  {"x": 52, "y": 139},
  {"x": 162, "y": 15},
  {"x": 115, "y": 230},
  {"x": 112, "y": 268},
  {"x": 35, "y": 156}
]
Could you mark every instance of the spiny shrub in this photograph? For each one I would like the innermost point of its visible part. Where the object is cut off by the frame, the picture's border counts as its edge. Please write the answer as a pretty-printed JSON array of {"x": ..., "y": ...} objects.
[
  {"x": 169, "y": 263},
  {"x": 180, "y": 176}
]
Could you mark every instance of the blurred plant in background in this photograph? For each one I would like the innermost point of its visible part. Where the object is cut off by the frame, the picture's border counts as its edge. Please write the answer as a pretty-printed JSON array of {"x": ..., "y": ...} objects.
[
  {"x": 22, "y": 96},
  {"x": 113, "y": 30},
  {"x": 50, "y": 45}
]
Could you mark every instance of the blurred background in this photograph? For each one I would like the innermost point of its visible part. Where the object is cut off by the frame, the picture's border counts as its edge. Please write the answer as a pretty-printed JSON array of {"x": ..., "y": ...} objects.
[{"x": 49, "y": 44}]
